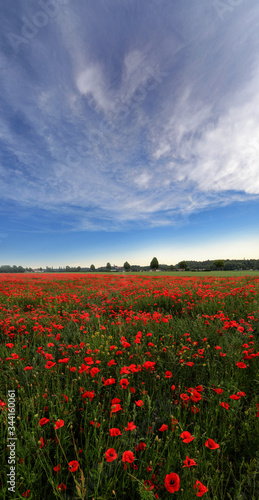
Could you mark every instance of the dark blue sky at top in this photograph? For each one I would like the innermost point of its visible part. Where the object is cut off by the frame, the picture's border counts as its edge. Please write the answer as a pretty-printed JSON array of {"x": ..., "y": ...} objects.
[{"x": 128, "y": 128}]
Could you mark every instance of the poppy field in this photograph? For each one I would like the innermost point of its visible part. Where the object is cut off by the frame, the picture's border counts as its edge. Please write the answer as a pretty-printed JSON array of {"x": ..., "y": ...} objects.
[{"x": 129, "y": 387}]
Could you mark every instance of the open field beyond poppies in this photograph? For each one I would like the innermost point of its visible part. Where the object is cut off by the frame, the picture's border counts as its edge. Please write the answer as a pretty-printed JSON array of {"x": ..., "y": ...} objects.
[{"x": 129, "y": 387}]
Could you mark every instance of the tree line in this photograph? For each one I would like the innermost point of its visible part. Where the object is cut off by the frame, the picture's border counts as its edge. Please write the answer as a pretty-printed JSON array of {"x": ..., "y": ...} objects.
[{"x": 184, "y": 265}]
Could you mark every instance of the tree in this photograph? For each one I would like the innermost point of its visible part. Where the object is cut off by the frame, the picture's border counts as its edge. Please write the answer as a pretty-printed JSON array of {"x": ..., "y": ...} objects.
[
  {"x": 68, "y": 269},
  {"x": 219, "y": 264},
  {"x": 126, "y": 266},
  {"x": 92, "y": 267},
  {"x": 154, "y": 264},
  {"x": 78, "y": 269},
  {"x": 182, "y": 264},
  {"x": 108, "y": 266}
]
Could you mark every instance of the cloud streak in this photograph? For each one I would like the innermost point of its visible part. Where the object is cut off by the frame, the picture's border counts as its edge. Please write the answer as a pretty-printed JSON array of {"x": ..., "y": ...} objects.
[{"x": 114, "y": 116}]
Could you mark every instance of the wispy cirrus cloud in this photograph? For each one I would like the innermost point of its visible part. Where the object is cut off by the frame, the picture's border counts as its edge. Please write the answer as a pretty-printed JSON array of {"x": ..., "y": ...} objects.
[{"x": 120, "y": 114}]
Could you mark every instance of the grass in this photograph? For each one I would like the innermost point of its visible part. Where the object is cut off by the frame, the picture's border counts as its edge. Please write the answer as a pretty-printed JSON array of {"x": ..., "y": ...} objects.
[{"x": 150, "y": 356}]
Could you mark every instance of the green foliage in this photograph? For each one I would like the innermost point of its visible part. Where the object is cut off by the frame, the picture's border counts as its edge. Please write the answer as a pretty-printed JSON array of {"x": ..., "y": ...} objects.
[
  {"x": 154, "y": 263},
  {"x": 126, "y": 266}
]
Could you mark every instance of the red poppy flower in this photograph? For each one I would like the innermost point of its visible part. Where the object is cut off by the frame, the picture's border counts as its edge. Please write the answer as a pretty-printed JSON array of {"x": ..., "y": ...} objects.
[
  {"x": 140, "y": 447},
  {"x": 43, "y": 421},
  {"x": 57, "y": 468},
  {"x": 163, "y": 428},
  {"x": 168, "y": 374},
  {"x": 201, "y": 488},
  {"x": 139, "y": 402},
  {"x": 124, "y": 383},
  {"x": 240, "y": 364},
  {"x": 218, "y": 391},
  {"x": 59, "y": 423},
  {"x": 234, "y": 396},
  {"x": 224, "y": 405},
  {"x": 189, "y": 462},
  {"x": 49, "y": 364},
  {"x": 184, "y": 397},
  {"x": 241, "y": 393},
  {"x": 211, "y": 444},
  {"x": 28, "y": 368},
  {"x": 61, "y": 487},
  {"x": 116, "y": 408},
  {"x": 110, "y": 455},
  {"x": 26, "y": 494},
  {"x": 73, "y": 466},
  {"x": 94, "y": 371},
  {"x": 187, "y": 437},
  {"x": 172, "y": 482},
  {"x": 130, "y": 427},
  {"x": 115, "y": 432},
  {"x": 41, "y": 442},
  {"x": 128, "y": 457},
  {"x": 89, "y": 394},
  {"x": 109, "y": 381}
]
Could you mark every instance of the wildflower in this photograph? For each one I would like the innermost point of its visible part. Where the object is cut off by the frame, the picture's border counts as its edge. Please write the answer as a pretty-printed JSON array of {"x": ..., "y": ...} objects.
[
  {"x": 61, "y": 487},
  {"x": 201, "y": 488},
  {"x": 115, "y": 432},
  {"x": 240, "y": 364},
  {"x": 73, "y": 466},
  {"x": 124, "y": 383},
  {"x": 189, "y": 462},
  {"x": 168, "y": 374},
  {"x": 187, "y": 437},
  {"x": 59, "y": 423},
  {"x": 43, "y": 421},
  {"x": 57, "y": 468},
  {"x": 110, "y": 455},
  {"x": 130, "y": 427},
  {"x": 140, "y": 447},
  {"x": 211, "y": 444},
  {"x": 139, "y": 402},
  {"x": 163, "y": 428},
  {"x": 128, "y": 457},
  {"x": 172, "y": 482},
  {"x": 224, "y": 405}
]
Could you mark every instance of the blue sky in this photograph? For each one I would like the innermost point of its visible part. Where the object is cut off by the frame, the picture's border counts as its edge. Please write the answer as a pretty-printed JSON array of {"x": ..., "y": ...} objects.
[{"x": 129, "y": 129}]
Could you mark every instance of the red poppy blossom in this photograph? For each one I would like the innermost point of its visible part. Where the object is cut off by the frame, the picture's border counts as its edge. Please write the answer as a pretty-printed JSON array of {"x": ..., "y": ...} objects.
[
  {"x": 234, "y": 396},
  {"x": 61, "y": 487},
  {"x": 124, "y": 383},
  {"x": 49, "y": 364},
  {"x": 59, "y": 423},
  {"x": 189, "y": 462},
  {"x": 224, "y": 405},
  {"x": 140, "y": 447},
  {"x": 240, "y": 364},
  {"x": 139, "y": 402},
  {"x": 110, "y": 455},
  {"x": 218, "y": 391},
  {"x": 43, "y": 421},
  {"x": 168, "y": 374},
  {"x": 163, "y": 428},
  {"x": 201, "y": 488},
  {"x": 73, "y": 466},
  {"x": 115, "y": 432},
  {"x": 187, "y": 437},
  {"x": 211, "y": 444},
  {"x": 128, "y": 457},
  {"x": 26, "y": 494},
  {"x": 57, "y": 468},
  {"x": 172, "y": 482},
  {"x": 130, "y": 427},
  {"x": 116, "y": 408}
]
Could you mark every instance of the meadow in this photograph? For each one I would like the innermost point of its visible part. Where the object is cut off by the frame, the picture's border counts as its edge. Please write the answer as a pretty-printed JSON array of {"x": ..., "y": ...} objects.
[{"x": 129, "y": 386}]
